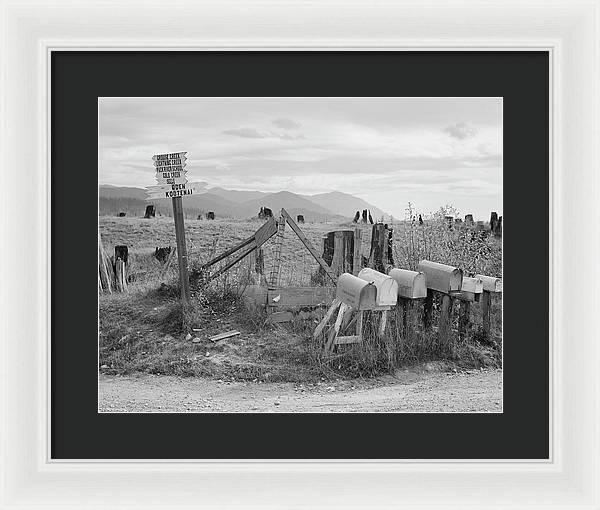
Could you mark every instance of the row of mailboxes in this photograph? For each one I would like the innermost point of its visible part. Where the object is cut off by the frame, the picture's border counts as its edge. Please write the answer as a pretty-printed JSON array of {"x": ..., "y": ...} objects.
[
  {"x": 372, "y": 290},
  {"x": 411, "y": 284},
  {"x": 441, "y": 277},
  {"x": 490, "y": 284},
  {"x": 471, "y": 288}
]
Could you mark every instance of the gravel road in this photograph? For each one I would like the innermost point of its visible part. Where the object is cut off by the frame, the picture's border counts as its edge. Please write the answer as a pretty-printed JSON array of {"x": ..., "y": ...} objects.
[{"x": 406, "y": 391}]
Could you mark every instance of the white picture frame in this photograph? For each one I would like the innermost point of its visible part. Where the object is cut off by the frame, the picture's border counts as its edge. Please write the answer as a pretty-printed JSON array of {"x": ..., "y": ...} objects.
[{"x": 568, "y": 29}]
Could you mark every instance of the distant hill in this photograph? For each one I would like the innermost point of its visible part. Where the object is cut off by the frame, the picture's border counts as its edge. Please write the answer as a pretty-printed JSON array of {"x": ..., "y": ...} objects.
[
  {"x": 345, "y": 204},
  {"x": 334, "y": 206},
  {"x": 236, "y": 196},
  {"x": 275, "y": 201}
]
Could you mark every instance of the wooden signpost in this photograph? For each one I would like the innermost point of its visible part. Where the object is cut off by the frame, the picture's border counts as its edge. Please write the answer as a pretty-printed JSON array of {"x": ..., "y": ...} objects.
[{"x": 172, "y": 183}]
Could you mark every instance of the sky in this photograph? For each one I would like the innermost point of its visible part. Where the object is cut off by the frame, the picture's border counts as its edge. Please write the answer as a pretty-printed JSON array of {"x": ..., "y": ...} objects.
[{"x": 430, "y": 152}]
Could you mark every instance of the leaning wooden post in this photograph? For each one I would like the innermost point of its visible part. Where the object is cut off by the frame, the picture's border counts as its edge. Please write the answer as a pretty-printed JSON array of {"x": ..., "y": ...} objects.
[
  {"x": 105, "y": 275},
  {"x": 182, "y": 257}
]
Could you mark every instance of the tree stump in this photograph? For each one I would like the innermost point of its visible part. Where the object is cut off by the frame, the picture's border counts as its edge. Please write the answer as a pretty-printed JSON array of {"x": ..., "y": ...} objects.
[
  {"x": 339, "y": 252},
  {"x": 150, "y": 212},
  {"x": 121, "y": 252},
  {"x": 380, "y": 256}
]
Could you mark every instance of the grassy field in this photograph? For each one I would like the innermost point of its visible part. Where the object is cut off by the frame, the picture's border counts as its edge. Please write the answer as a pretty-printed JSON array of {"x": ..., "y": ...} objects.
[{"x": 145, "y": 329}]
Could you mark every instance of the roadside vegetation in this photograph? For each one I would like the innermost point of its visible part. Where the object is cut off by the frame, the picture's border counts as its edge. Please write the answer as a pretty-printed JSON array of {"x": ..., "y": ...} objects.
[{"x": 148, "y": 330}]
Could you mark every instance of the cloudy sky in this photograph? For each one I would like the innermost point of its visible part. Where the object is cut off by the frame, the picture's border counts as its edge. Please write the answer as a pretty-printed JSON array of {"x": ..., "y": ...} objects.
[{"x": 388, "y": 151}]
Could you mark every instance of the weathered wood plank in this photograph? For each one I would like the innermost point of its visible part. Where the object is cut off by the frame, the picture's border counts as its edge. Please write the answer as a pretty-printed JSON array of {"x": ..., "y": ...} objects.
[
  {"x": 222, "y": 336},
  {"x": 334, "y": 306},
  {"x": 228, "y": 252},
  {"x": 486, "y": 309},
  {"x": 231, "y": 263},
  {"x": 308, "y": 244},
  {"x": 277, "y": 317},
  {"x": 357, "y": 252},
  {"x": 336, "y": 328},
  {"x": 351, "y": 339},
  {"x": 445, "y": 320},
  {"x": 292, "y": 297},
  {"x": 276, "y": 268}
]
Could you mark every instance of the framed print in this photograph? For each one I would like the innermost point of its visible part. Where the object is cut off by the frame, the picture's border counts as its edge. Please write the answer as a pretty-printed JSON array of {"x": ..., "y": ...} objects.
[{"x": 354, "y": 255}]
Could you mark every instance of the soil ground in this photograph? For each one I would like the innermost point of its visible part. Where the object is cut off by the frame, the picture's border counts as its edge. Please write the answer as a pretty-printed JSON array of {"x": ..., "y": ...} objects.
[{"x": 414, "y": 390}]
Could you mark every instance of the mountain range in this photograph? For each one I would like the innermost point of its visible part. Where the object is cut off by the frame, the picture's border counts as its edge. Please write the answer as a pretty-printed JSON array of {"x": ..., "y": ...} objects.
[{"x": 239, "y": 204}]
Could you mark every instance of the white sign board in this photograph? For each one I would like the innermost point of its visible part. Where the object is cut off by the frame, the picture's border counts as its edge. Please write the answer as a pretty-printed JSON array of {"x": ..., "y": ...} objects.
[{"x": 171, "y": 190}]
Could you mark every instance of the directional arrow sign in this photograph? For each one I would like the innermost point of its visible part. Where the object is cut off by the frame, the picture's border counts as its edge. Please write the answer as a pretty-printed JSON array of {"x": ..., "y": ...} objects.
[
  {"x": 171, "y": 155},
  {"x": 172, "y": 190},
  {"x": 170, "y": 162},
  {"x": 167, "y": 177},
  {"x": 171, "y": 180}
]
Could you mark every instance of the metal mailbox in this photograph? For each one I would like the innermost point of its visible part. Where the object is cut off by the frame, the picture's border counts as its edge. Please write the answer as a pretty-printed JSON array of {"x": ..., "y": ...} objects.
[
  {"x": 440, "y": 277},
  {"x": 471, "y": 289},
  {"x": 411, "y": 284},
  {"x": 356, "y": 292},
  {"x": 387, "y": 288},
  {"x": 490, "y": 284}
]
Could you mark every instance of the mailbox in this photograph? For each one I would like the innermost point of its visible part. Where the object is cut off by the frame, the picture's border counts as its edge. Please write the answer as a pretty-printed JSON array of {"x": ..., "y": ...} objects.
[
  {"x": 490, "y": 284},
  {"x": 471, "y": 289},
  {"x": 356, "y": 292},
  {"x": 440, "y": 277},
  {"x": 411, "y": 284},
  {"x": 387, "y": 288}
]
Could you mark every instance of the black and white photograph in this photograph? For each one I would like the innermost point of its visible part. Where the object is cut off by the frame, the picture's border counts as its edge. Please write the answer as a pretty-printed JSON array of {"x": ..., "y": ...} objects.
[{"x": 300, "y": 254}]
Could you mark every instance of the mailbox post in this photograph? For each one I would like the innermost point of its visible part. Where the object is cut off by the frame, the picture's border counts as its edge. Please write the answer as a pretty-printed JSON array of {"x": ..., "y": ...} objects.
[
  {"x": 448, "y": 281},
  {"x": 491, "y": 286},
  {"x": 370, "y": 291},
  {"x": 471, "y": 291},
  {"x": 412, "y": 286}
]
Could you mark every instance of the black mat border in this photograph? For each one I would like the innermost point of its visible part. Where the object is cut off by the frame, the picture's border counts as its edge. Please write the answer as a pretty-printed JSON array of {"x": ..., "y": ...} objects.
[{"x": 79, "y": 78}]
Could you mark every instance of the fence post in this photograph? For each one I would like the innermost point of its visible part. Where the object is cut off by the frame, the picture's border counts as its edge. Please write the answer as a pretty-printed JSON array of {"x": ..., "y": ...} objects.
[
  {"x": 427, "y": 309},
  {"x": 464, "y": 320},
  {"x": 486, "y": 307},
  {"x": 445, "y": 320},
  {"x": 357, "y": 252}
]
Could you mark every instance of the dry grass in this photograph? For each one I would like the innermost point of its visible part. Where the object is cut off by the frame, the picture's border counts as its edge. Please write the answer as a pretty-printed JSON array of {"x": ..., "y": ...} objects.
[{"x": 145, "y": 329}]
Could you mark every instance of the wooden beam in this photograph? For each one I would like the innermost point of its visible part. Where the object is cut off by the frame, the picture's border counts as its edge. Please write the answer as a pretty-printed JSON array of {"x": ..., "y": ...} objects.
[
  {"x": 277, "y": 317},
  {"x": 334, "y": 306},
  {"x": 445, "y": 320},
  {"x": 336, "y": 328},
  {"x": 307, "y": 243},
  {"x": 276, "y": 268},
  {"x": 230, "y": 264},
  {"x": 352, "y": 339},
  {"x": 297, "y": 297},
  {"x": 228, "y": 252},
  {"x": 357, "y": 252},
  {"x": 486, "y": 308}
]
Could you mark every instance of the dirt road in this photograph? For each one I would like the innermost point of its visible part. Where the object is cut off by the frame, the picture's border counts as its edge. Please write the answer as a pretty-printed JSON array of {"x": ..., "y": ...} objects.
[{"x": 406, "y": 391}]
